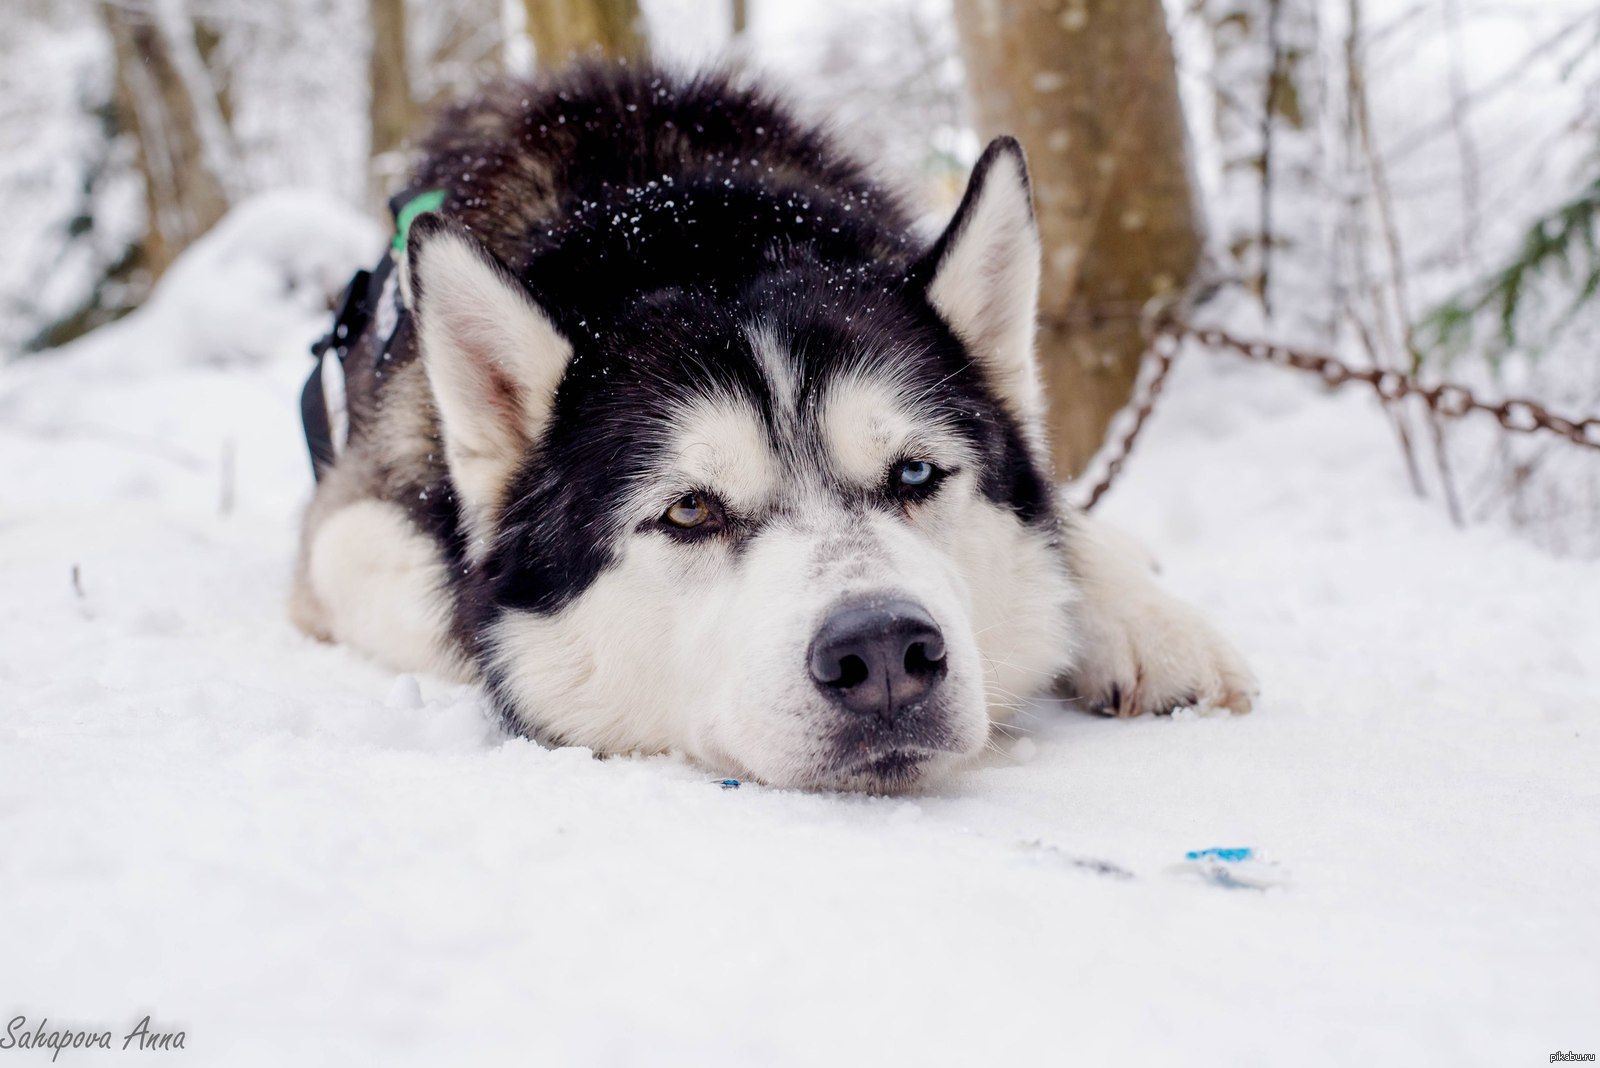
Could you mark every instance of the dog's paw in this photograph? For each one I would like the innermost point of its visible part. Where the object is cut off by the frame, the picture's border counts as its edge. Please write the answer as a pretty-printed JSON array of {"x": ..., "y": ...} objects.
[
  {"x": 1149, "y": 652},
  {"x": 1139, "y": 648}
]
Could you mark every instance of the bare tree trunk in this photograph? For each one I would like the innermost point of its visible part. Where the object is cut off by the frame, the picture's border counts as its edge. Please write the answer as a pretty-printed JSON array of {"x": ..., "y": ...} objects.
[
  {"x": 741, "y": 17},
  {"x": 1090, "y": 89},
  {"x": 563, "y": 28},
  {"x": 391, "y": 110},
  {"x": 185, "y": 189}
]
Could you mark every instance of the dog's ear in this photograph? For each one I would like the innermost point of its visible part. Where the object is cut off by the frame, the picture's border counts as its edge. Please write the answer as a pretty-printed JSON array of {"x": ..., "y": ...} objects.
[
  {"x": 492, "y": 356},
  {"x": 983, "y": 277}
]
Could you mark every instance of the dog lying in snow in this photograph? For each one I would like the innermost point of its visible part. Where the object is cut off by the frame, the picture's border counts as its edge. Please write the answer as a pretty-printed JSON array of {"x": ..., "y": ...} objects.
[{"x": 667, "y": 429}]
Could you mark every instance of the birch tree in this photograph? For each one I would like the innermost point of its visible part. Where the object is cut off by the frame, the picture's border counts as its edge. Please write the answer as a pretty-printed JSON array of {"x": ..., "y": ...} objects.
[{"x": 1090, "y": 89}]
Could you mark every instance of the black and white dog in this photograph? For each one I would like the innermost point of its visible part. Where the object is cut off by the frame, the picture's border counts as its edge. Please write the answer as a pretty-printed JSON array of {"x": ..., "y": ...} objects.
[{"x": 681, "y": 440}]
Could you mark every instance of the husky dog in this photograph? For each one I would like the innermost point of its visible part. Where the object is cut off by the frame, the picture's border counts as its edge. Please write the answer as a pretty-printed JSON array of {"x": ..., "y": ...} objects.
[{"x": 682, "y": 440}]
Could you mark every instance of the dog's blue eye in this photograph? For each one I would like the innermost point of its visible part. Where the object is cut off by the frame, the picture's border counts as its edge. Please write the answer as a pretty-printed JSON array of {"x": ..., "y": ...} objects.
[{"x": 915, "y": 472}]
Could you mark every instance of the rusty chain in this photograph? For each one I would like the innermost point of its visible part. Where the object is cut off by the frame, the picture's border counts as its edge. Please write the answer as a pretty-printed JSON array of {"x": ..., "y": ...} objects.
[
  {"x": 1516, "y": 414},
  {"x": 1162, "y": 351}
]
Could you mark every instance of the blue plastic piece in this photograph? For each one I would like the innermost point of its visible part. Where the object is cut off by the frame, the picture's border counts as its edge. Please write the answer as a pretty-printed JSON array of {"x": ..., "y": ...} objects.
[
  {"x": 1227, "y": 855},
  {"x": 728, "y": 784}
]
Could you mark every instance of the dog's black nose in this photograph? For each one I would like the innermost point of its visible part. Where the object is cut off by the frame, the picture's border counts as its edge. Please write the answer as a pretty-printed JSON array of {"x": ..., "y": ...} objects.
[{"x": 881, "y": 657}]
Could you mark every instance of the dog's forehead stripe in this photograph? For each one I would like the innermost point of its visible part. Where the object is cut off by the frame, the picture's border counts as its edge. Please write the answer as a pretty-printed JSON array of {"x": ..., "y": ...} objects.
[{"x": 777, "y": 367}]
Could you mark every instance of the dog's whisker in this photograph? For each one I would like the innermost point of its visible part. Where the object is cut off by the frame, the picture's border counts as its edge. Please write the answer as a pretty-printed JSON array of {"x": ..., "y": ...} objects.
[{"x": 1010, "y": 730}]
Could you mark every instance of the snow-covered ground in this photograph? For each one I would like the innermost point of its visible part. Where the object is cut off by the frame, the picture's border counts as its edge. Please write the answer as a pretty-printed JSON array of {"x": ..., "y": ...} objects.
[{"x": 298, "y": 858}]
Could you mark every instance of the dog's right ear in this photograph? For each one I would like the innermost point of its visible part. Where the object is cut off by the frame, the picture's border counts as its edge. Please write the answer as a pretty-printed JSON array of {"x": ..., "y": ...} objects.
[{"x": 492, "y": 356}]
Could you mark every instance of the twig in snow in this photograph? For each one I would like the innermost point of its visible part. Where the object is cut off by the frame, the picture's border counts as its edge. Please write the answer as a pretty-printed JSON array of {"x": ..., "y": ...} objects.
[
  {"x": 77, "y": 592},
  {"x": 225, "y": 495},
  {"x": 1395, "y": 410}
]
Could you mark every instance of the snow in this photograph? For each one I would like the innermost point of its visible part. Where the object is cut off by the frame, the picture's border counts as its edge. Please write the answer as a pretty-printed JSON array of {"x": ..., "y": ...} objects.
[
  {"x": 60, "y": 175},
  {"x": 297, "y": 857}
]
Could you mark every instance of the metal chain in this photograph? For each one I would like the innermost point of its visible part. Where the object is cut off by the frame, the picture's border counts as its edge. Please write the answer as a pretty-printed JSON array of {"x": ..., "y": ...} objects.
[
  {"x": 1446, "y": 398},
  {"x": 1163, "y": 350}
]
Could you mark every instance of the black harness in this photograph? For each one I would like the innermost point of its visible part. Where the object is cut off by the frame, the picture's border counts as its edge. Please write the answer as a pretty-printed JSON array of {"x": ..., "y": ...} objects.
[{"x": 359, "y": 304}]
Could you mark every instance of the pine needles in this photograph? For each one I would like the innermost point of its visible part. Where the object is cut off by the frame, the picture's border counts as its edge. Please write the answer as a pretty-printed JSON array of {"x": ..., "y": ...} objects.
[{"x": 1563, "y": 246}]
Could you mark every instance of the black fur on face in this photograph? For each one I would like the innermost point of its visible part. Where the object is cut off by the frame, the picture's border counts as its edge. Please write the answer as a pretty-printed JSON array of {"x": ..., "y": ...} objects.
[{"x": 676, "y": 217}]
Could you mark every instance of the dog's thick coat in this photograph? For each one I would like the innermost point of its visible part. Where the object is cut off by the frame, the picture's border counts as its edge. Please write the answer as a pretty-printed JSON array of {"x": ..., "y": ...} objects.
[{"x": 679, "y": 396}]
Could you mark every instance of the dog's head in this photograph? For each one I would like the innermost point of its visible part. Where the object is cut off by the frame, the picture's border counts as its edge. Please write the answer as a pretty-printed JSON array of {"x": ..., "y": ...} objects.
[{"x": 799, "y": 527}]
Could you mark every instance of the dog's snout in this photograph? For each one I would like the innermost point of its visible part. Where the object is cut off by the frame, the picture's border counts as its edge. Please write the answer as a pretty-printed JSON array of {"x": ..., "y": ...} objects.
[{"x": 882, "y": 657}]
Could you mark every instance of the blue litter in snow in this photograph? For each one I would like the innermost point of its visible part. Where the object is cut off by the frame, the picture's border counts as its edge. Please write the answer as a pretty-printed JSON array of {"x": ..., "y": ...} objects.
[
  {"x": 1231, "y": 868},
  {"x": 728, "y": 784},
  {"x": 1228, "y": 855}
]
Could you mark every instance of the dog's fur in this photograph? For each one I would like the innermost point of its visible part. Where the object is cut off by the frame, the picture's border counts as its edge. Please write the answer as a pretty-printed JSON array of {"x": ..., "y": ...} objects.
[{"x": 641, "y": 287}]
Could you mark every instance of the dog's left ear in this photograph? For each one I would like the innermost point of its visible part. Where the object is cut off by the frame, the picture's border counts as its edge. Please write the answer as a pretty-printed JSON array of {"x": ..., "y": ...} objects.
[{"x": 983, "y": 277}]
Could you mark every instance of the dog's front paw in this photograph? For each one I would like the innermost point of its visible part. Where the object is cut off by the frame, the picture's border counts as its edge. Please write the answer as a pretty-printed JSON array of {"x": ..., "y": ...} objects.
[
  {"x": 1139, "y": 648},
  {"x": 1154, "y": 653}
]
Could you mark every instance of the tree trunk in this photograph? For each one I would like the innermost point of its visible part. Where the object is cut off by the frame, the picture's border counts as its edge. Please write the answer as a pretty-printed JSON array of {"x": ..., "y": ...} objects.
[
  {"x": 563, "y": 28},
  {"x": 391, "y": 108},
  {"x": 741, "y": 17},
  {"x": 208, "y": 42},
  {"x": 1090, "y": 88},
  {"x": 185, "y": 193}
]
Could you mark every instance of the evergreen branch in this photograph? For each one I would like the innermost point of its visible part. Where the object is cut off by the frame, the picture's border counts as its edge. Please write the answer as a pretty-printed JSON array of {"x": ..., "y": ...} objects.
[{"x": 1564, "y": 243}]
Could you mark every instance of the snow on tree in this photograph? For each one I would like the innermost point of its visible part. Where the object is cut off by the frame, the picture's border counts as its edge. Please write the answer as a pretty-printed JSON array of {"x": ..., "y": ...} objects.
[{"x": 1272, "y": 218}]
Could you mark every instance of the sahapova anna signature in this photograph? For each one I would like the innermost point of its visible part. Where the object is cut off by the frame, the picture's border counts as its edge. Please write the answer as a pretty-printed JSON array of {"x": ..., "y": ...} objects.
[{"x": 141, "y": 1036}]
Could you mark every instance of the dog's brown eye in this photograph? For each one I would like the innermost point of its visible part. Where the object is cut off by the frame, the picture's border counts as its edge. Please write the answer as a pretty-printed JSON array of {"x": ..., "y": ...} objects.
[{"x": 689, "y": 511}]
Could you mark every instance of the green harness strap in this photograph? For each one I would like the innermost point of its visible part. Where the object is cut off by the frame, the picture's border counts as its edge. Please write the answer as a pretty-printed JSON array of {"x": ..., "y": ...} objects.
[{"x": 432, "y": 200}]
